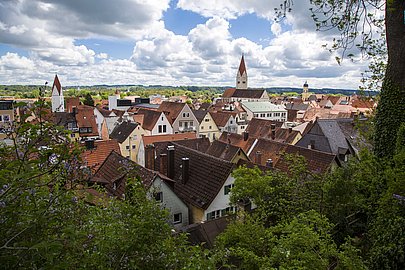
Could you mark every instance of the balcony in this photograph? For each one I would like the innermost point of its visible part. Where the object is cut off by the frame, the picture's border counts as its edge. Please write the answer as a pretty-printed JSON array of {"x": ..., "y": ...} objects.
[{"x": 186, "y": 129}]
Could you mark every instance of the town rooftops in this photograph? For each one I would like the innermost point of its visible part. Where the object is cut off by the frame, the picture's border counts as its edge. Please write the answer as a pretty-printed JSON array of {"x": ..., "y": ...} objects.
[
  {"x": 150, "y": 117},
  {"x": 123, "y": 130},
  {"x": 168, "y": 137},
  {"x": 85, "y": 119},
  {"x": 224, "y": 150},
  {"x": 244, "y": 93},
  {"x": 171, "y": 109},
  {"x": 237, "y": 140},
  {"x": 200, "y": 114},
  {"x": 221, "y": 118}
]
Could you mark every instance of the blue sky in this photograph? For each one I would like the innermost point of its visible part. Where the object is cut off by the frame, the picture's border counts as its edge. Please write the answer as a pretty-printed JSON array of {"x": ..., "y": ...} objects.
[{"x": 165, "y": 42}]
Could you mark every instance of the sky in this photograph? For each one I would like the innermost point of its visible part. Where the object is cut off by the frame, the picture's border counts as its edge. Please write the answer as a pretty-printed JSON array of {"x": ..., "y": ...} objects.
[{"x": 163, "y": 42}]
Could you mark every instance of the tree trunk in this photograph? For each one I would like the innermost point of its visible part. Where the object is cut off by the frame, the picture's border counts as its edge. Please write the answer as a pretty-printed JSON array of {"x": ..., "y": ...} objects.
[{"x": 391, "y": 108}]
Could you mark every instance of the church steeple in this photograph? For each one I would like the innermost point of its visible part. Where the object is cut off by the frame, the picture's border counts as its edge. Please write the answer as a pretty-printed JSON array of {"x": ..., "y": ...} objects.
[
  {"x": 58, "y": 102},
  {"x": 305, "y": 93},
  {"x": 241, "y": 76}
]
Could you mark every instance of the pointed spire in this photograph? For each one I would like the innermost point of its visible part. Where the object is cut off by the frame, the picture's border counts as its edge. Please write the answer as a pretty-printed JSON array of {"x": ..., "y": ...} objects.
[
  {"x": 242, "y": 67},
  {"x": 56, "y": 83},
  {"x": 306, "y": 84}
]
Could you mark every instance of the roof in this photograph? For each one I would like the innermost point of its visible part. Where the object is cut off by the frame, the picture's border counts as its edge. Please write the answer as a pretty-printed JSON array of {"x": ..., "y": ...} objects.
[
  {"x": 261, "y": 127},
  {"x": 262, "y": 106},
  {"x": 367, "y": 104},
  {"x": 63, "y": 118},
  {"x": 248, "y": 93},
  {"x": 327, "y": 135},
  {"x": 223, "y": 150},
  {"x": 93, "y": 158},
  {"x": 171, "y": 109},
  {"x": 318, "y": 162},
  {"x": 220, "y": 118},
  {"x": 115, "y": 169},
  {"x": 85, "y": 118},
  {"x": 168, "y": 137},
  {"x": 123, "y": 130},
  {"x": 199, "y": 144},
  {"x": 228, "y": 93},
  {"x": 56, "y": 83},
  {"x": 150, "y": 117},
  {"x": 242, "y": 66},
  {"x": 199, "y": 114},
  {"x": 237, "y": 140},
  {"x": 296, "y": 106},
  {"x": 207, "y": 175},
  {"x": 333, "y": 99},
  {"x": 72, "y": 102}
]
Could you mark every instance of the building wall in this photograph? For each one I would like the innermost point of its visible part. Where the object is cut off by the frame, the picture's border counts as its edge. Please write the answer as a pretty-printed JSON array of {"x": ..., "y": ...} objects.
[
  {"x": 208, "y": 128},
  {"x": 186, "y": 115},
  {"x": 58, "y": 102},
  {"x": 196, "y": 214},
  {"x": 171, "y": 202},
  {"x": 129, "y": 147},
  {"x": 161, "y": 122},
  {"x": 221, "y": 201}
]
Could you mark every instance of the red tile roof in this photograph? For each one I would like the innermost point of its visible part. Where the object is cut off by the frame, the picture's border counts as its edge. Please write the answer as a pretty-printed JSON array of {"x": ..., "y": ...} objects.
[
  {"x": 242, "y": 67},
  {"x": 237, "y": 140},
  {"x": 171, "y": 109},
  {"x": 56, "y": 83},
  {"x": 150, "y": 117},
  {"x": 228, "y": 93},
  {"x": 85, "y": 119},
  {"x": 93, "y": 158}
]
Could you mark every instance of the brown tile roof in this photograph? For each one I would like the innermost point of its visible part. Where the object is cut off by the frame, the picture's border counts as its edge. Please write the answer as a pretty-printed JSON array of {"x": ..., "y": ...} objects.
[
  {"x": 237, "y": 140},
  {"x": 171, "y": 109},
  {"x": 93, "y": 158},
  {"x": 223, "y": 150},
  {"x": 168, "y": 138},
  {"x": 220, "y": 118},
  {"x": 85, "y": 118},
  {"x": 200, "y": 114},
  {"x": 318, "y": 162},
  {"x": 228, "y": 93},
  {"x": 333, "y": 99},
  {"x": 366, "y": 104},
  {"x": 261, "y": 127},
  {"x": 123, "y": 130},
  {"x": 207, "y": 175},
  {"x": 116, "y": 169},
  {"x": 150, "y": 117},
  {"x": 248, "y": 93},
  {"x": 199, "y": 144}
]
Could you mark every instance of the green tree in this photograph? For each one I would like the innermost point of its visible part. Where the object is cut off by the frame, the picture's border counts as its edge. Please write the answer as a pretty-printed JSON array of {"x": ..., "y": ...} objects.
[{"x": 88, "y": 100}]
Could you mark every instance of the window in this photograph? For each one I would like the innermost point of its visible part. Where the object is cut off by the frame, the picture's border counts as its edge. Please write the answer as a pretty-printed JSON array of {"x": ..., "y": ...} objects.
[
  {"x": 160, "y": 129},
  {"x": 164, "y": 128},
  {"x": 269, "y": 115},
  {"x": 186, "y": 114},
  {"x": 162, "y": 118},
  {"x": 127, "y": 156},
  {"x": 191, "y": 123},
  {"x": 202, "y": 127},
  {"x": 214, "y": 214},
  {"x": 135, "y": 137},
  {"x": 177, "y": 218},
  {"x": 210, "y": 127},
  {"x": 159, "y": 197},
  {"x": 262, "y": 115},
  {"x": 228, "y": 188},
  {"x": 206, "y": 120},
  {"x": 127, "y": 147},
  {"x": 72, "y": 135},
  {"x": 231, "y": 122},
  {"x": 133, "y": 146},
  {"x": 256, "y": 115},
  {"x": 1, "y": 118},
  {"x": 277, "y": 114}
]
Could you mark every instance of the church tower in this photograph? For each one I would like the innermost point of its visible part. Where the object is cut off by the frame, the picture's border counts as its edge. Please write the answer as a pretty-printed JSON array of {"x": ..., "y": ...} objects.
[
  {"x": 58, "y": 103},
  {"x": 305, "y": 94},
  {"x": 241, "y": 76}
]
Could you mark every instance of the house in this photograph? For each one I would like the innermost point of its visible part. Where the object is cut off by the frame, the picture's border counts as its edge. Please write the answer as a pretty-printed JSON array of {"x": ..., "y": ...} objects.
[
  {"x": 126, "y": 135},
  {"x": 271, "y": 154},
  {"x": 261, "y": 128},
  {"x": 225, "y": 121},
  {"x": 202, "y": 181},
  {"x": 207, "y": 126},
  {"x": 147, "y": 141},
  {"x": 153, "y": 122},
  {"x": 115, "y": 170},
  {"x": 243, "y": 141},
  {"x": 296, "y": 111},
  {"x": 180, "y": 116},
  {"x": 265, "y": 110},
  {"x": 326, "y": 135},
  {"x": 68, "y": 121},
  {"x": 86, "y": 122},
  {"x": 97, "y": 151},
  {"x": 116, "y": 103}
]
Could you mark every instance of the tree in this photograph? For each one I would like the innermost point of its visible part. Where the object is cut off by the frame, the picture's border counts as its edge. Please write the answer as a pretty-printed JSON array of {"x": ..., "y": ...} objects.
[
  {"x": 304, "y": 242},
  {"x": 88, "y": 100}
]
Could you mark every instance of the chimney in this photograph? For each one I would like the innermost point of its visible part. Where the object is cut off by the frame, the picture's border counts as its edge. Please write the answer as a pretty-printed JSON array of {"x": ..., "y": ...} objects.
[
  {"x": 89, "y": 144},
  {"x": 273, "y": 126},
  {"x": 185, "y": 175},
  {"x": 289, "y": 129},
  {"x": 269, "y": 163},
  {"x": 150, "y": 156},
  {"x": 258, "y": 157},
  {"x": 245, "y": 135},
  {"x": 311, "y": 144},
  {"x": 170, "y": 161},
  {"x": 163, "y": 164}
]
